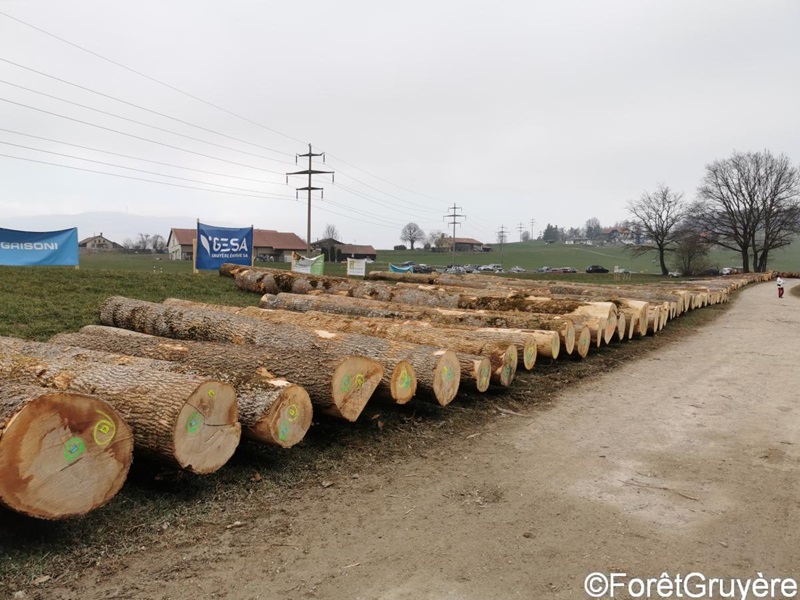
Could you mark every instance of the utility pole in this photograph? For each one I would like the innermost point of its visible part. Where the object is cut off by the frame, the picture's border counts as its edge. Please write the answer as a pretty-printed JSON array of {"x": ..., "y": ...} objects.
[
  {"x": 454, "y": 217},
  {"x": 533, "y": 222},
  {"x": 520, "y": 228},
  {"x": 310, "y": 171},
  {"x": 501, "y": 237}
]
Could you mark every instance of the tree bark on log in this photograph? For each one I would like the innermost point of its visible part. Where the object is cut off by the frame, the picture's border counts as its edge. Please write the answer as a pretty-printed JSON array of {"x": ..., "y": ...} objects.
[
  {"x": 186, "y": 421},
  {"x": 62, "y": 454},
  {"x": 500, "y": 350},
  {"x": 359, "y": 307},
  {"x": 271, "y": 409},
  {"x": 437, "y": 370}
]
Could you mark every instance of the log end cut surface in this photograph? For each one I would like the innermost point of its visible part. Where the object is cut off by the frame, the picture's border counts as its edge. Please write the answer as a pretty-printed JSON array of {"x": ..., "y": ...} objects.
[
  {"x": 207, "y": 430},
  {"x": 354, "y": 382},
  {"x": 63, "y": 455},
  {"x": 447, "y": 376},
  {"x": 287, "y": 420},
  {"x": 584, "y": 342},
  {"x": 404, "y": 382},
  {"x": 569, "y": 337},
  {"x": 530, "y": 352},
  {"x": 509, "y": 367}
]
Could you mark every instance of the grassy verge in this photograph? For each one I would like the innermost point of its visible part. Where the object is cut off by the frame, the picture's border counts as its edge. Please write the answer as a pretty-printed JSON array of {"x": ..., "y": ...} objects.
[{"x": 167, "y": 509}]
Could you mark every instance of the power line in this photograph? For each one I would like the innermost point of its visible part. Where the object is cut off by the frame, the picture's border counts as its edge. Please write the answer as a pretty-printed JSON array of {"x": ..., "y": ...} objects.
[
  {"x": 501, "y": 237},
  {"x": 162, "y": 129},
  {"x": 520, "y": 228},
  {"x": 155, "y": 162},
  {"x": 153, "y": 79},
  {"x": 155, "y": 112},
  {"x": 99, "y": 162},
  {"x": 134, "y": 136},
  {"x": 44, "y": 162}
]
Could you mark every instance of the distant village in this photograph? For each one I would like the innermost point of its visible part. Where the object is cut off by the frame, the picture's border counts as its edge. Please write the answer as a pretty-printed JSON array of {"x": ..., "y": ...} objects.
[{"x": 270, "y": 245}]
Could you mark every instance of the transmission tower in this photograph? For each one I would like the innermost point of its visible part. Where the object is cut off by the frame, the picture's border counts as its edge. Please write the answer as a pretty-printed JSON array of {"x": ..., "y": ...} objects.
[
  {"x": 454, "y": 217},
  {"x": 533, "y": 222},
  {"x": 520, "y": 228},
  {"x": 310, "y": 171},
  {"x": 501, "y": 237}
]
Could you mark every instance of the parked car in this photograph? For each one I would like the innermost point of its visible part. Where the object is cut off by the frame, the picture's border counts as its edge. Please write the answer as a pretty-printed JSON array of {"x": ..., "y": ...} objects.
[
  {"x": 569, "y": 270},
  {"x": 596, "y": 269},
  {"x": 543, "y": 269},
  {"x": 516, "y": 270},
  {"x": 455, "y": 270},
  {"x": 423, "y": 268},
  {"x": 408, "y": 263},
  {"x": 470, "y": 268},
  {"x": 674, "y": 274}
]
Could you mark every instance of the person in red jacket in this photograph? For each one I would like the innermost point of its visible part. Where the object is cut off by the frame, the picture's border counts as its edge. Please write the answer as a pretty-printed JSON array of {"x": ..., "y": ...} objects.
[{"x": 780, "y": 286}]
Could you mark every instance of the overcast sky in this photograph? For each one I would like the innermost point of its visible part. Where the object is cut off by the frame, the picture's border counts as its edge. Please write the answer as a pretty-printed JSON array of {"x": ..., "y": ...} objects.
[{"x": 551, "y": 111}]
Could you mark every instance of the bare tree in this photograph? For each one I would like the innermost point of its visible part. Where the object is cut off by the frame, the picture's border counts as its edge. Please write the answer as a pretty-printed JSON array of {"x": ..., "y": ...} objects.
[
  {"x": 412, "y": 233},
  {"x": 437, "y": 239},
  {"x": 593, "y": 228},
  {"x": 330, "y": 232},
  {"x": 157, "y": 242},
  {"x": 658, "y": 215},
  {"x": 143, "y": 242},
  {"x": 128, "y": 244},
  {"x": 750, "y": 203},
  {"x": 691, "y": 247}
]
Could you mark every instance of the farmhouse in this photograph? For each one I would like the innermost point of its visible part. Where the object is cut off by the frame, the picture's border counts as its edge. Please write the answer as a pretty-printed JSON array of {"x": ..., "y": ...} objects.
[
  {"x": 336, "y": 251},
  {"x": 466, "y": 244},
  {"x": 98, "y": 242},
  {"x": 268, "y": 244}
]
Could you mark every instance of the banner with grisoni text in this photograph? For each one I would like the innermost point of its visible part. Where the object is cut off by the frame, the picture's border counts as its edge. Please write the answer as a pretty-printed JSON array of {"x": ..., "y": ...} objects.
[
  {"x": 39, "y": 248},
  {"x": 218, "y": 245}
]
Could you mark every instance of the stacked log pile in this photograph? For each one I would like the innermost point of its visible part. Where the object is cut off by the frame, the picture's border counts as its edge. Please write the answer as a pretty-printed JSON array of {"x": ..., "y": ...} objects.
[{"x": 179, "y": 381}]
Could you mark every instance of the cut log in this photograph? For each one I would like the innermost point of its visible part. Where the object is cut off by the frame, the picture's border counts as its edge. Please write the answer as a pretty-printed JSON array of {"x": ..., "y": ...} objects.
[
  {"x": 61, "y": 454},
  {"x": 621, "y": 334},
  {"x": 437, "y": 370},
  {"x": 271, "y": 409},
  {"x": 186, "y": 421},
  {"x": 583, "y": 343},
  {"x": 358, "y": 307},
  {"x": 654, "y": 319},
  {"x": 500, "y": 350}
]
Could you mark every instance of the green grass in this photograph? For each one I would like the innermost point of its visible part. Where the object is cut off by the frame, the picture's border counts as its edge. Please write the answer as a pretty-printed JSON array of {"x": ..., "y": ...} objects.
[{"x": 38, "y": 302}]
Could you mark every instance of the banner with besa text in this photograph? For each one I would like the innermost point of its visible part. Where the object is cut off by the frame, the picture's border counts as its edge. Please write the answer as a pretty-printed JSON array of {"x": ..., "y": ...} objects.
[
  {"x": 39, "y": 248},
  {"x": 218, "y": 245}
]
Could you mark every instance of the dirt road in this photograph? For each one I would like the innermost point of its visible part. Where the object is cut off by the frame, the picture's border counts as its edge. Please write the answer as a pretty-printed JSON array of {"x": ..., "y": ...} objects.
[{"x": 685, "y": 460}]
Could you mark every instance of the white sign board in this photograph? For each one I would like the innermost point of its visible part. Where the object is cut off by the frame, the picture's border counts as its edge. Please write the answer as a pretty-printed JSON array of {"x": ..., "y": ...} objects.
[{"x": 356, "y": 267}]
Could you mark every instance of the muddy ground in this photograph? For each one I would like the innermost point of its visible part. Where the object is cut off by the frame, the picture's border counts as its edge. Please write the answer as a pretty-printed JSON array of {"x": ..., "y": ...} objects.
[{"x": 673, "y": 454}]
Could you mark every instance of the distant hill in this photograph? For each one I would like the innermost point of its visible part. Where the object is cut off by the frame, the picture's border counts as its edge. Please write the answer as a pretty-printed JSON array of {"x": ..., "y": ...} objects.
[{"x": 115, "y": 226}]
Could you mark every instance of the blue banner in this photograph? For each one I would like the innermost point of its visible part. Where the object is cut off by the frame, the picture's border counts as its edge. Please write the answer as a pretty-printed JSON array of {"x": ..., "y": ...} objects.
[
  {"x": 396, "y": 269},
  {"x": 218, "y": 245},
  {"x": 39, "y": 248}
]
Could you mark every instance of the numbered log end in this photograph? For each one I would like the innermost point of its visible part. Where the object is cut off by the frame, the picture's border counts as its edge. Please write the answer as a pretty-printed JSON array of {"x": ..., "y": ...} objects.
[
  {"x": 404, "y": 382},
  {"x": 530, "y": 352},
  {"x": 505, "y": 375},
  {"x": 207, "y": 430},
  {"x": 354, "y": 382},
  {"x": 287, "y": 420},
  {"x": 63, "y": 455},
  {"x": 583, "y": 343},
  {"x": 447, "y": 377}
]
